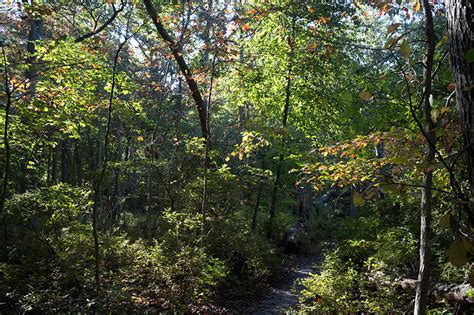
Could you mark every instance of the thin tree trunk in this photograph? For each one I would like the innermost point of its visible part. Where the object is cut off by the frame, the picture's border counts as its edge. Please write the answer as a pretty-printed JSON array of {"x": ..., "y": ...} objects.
[
  {"x": 48, "y": 166},
  {"x": 33, "y": 36},
  {"x": 150, "y": 221},
  {"x": 6, "y": 143},
  {"x": 78, "y": 162},
  {"x": 98, "y": 186},
  {"x": 379, "y": 153},
  {"x": 64, "y": 161},
  {"x": 281, "y": 158},
  {"x": 116, "y": 191},
  {"x": 424, "y": 272},
  {"x": 460, "y": 16},
  {"x": 54, "y": 165},
  {"x": 206, "y": 161},
  {"x": 207, "y": 31},
  {"x": 35, "y": 33},
  {"x": 257, "y": 201}
]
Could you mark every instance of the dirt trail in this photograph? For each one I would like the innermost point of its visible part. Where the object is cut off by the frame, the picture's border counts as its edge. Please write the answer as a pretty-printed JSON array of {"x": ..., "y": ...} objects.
[{"x": 282, "y": 294}]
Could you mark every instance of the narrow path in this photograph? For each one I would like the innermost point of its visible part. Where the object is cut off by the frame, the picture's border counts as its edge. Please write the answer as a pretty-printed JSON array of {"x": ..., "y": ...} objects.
[{"x": 283, "y": 294}]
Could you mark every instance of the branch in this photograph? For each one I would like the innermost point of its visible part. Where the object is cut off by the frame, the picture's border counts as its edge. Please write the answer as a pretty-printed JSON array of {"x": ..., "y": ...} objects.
[
  {"x": 419, "y": 186},
  {"x": 103, "y": 26},
  {"x": 178, "y": 56}
]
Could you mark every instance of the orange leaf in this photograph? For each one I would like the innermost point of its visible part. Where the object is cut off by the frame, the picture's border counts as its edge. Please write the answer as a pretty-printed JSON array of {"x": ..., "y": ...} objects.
[{"x": 246, "y": 27}]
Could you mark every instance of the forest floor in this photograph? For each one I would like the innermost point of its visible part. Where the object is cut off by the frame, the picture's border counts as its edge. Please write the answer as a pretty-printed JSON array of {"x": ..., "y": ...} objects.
[{"x": 283, "y": 291}]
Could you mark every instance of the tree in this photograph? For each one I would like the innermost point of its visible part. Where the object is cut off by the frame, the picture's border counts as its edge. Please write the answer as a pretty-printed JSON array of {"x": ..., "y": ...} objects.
[
  {"x": 460, "y": 17},
  {"x": 427, "y": 194}
]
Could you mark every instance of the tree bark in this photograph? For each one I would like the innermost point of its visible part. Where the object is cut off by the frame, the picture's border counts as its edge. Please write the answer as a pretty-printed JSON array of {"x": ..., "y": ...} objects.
[
  {"x": 424, "y": 272},
  {"x": 460, "y": 16}
]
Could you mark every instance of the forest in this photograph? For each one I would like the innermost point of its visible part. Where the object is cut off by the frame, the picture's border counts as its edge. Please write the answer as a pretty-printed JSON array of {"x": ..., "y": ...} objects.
[{"x": 237, "y": 157}]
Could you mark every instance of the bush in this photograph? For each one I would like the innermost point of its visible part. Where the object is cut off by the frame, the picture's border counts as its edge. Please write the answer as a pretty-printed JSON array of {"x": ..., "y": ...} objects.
[
  {"x": 345, "y": 285},
  {"x": 48, "y": 265}
]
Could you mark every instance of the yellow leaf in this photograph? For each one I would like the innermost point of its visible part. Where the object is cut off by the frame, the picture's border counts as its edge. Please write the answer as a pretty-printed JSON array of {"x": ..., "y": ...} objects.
[
  {"x": 246, "y": 27},
  {"x": 457, "y": 254},
  {"x": 140, "y": 139},
  {"x": 357, "y": 199},
  {"x": 416, "y": 7},
  {"x": 241, "y": 154},
  {"x": 405, "y": 49},
  {"x": 311, "y": 9},
  {"x": 435, "y": 114},
  {"x": 248, "y": 136}
]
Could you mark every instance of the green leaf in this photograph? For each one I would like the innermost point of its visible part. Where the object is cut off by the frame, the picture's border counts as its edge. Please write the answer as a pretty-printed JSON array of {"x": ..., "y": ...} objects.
[
  {"x": 346, "y": 97},
  {"x": 468, "y": 245},
  {"x": 469, "y": 55},
  {"x": 445, "y": 221},
  {"x": 399, "y": 160},
  {"x": 457, "y": 254},
  {"x": 357, "y": 199},
  {"x": 392, "y": 28},
  {"x": 405, "y": 49},
  {"x": 392, "y": 188}
]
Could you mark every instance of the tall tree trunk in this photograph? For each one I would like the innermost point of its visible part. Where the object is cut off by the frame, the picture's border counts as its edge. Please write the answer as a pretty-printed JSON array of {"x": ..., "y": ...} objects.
[
  {"x": 258, "y": 200},
  {"x": 379, "y": 153},
  {"x": 207, "y": 32},
  {"x": 48, "y": 166},
  {"x": 64, "y": 161},
  {"x": 281, "y": 158},
  {"x": 460, "y": 16},
  {"x": 6, "y": 143},
  {"x": 426, "y": 196},
  {"x": 98, "y": 183},
  {"x": 54, "y": 165},
  {"x": 77, "y": 163},
  {"x": 35, "y": 33}
]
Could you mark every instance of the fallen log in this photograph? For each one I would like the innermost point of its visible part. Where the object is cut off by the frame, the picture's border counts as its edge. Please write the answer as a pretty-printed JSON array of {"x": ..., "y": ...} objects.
[{"x": 454, "y": 294}]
